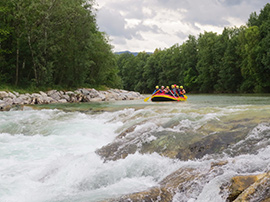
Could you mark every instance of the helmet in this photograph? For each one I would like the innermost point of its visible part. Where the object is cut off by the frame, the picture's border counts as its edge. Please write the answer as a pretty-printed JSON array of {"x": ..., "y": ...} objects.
[
  {"x": 167, "y": 87},
  {"x": 157, "y": 87},
  {"x": 172, "y": 86},
  {"x": 181, "y": 86},
  {"x": 162, "y": 86},
  {"x": 177, "y": 86}
]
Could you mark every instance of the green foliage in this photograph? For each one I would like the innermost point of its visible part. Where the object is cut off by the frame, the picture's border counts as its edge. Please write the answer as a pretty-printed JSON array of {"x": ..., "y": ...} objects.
[
  {"x": 238, "y": 60},
  {"x": 54, "y": 43}
]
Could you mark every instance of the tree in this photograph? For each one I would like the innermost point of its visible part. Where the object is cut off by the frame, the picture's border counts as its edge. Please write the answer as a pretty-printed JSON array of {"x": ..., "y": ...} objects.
[
  {"x": 189, "y": 61},
  {"x": 208, "y": 61},
  {"x": 230, "y": 73}
]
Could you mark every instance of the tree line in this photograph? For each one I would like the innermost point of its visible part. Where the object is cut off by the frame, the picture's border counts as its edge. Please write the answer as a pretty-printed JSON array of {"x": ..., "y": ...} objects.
[
  {"x": 54, "y": 43},
  {"x": 236, "y": 61},
  {"x": 57, "y": 43}
]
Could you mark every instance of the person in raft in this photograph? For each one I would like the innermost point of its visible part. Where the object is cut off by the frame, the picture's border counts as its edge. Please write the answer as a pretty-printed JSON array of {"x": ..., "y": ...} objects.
[
  {"x": 162, "y": 90},
  {"x": 173, "y": 90},
  {"x": 156, "y": 90},
  {"x": 182, "y": 90},
  {"x": 178, "y": 91},
  {"x": 167, "y": 90}
]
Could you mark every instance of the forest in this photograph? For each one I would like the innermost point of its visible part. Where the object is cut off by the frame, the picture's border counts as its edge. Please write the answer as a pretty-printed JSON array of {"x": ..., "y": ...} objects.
[
  {"x": 54, "y": 43},
  {"x": 236, "y": 61},
  {"x": 57, "y": 43}
]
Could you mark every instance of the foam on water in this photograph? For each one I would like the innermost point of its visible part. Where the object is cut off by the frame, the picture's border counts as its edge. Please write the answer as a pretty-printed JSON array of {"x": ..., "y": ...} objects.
[{"x": 49, "y": 155}]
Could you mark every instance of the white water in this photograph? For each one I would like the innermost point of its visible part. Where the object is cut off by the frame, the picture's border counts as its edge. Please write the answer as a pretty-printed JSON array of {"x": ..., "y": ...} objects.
[{"x": 49, "y": 155}]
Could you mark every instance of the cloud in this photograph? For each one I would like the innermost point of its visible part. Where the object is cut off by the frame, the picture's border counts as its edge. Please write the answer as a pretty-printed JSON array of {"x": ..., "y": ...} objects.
[{"x": 139, "y": 25}]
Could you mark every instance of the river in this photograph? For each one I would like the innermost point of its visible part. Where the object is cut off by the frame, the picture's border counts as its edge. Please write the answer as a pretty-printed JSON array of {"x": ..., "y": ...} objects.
[{"x": 48, "y": 153}]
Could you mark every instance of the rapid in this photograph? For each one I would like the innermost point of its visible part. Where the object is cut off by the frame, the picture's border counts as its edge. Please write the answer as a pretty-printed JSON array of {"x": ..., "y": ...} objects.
[{"x": 49, "y": 154}]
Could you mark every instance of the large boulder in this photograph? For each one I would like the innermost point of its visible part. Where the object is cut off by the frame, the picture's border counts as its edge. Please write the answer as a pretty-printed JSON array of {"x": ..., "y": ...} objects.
[
  {"x": 18, "y": 100},
  {"x": 94, "y": 93},
  {"x": 250, "y": 188},
  {"x": 11, "y": 95},
  {"x": 54, "y": 94},
  {"x": 8, "y": 101}
]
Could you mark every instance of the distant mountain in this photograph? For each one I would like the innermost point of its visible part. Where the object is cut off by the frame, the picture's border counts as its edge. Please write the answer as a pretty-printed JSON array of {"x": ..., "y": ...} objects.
[{"x": 134, "y": 53}]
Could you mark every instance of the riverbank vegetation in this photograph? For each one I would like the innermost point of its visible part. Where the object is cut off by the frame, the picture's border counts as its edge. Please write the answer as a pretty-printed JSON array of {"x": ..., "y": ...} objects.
[
  {"x": 236, "y": 61},
  {"x": 53, "y": 44},
  {"x": 56, "y": 44}
]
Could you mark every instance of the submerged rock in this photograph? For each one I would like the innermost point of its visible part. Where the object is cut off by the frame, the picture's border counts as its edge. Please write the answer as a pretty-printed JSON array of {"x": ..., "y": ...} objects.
[
  {"x": 184, "y": 145},
  {"x": 183, "y": 181},
  {"x": 187, "y": 180}
]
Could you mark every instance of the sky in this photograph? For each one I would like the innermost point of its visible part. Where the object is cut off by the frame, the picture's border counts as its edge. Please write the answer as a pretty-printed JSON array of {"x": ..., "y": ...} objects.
[{"x": 144, "y": 25}]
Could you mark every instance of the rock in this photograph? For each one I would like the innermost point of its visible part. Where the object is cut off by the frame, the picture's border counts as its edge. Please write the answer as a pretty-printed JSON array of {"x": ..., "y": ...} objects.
[
  {"x": 11, "y": 95},
  {"x": 251, "y": 188},
  {"x": 4, "y": 106},
  {"x": 103, "y": 97},
  {"x": 56, "y": 96},
  {"x": 26, "y": 99},
  {"x": 86, "y": 98},
  {"x": 66, "y": 97},
  {"x": 165, "y": 143},
  {"x": 85, "y": 91},
  {"x": 179, "y": 182},
  {"x": 69, "y": 93},
  {"x": 62, "y": 101},
  {"x": 17, "y": 101},
  {"x": 72, "y": 98},
  {"x": 219, "y": 163},
  {"x": 49, "y": 93},
  {"x": 97, "y": 99},
  {"x": 154, "y": 194},
  {"x": 3, "y": 94},
  {"x": 239, "y": 184},
  {"x": 94, "y": 93},
  {"x": 46, "y": 100},
  {"x": 8, "y": 101},
  {"x": 16, "y": 93},
  {"x": 214, "y": 143},
  {"x": 79, "y": 97},
  {"x": 34, "y": 95},
  {"x": 43, "y": 94}
]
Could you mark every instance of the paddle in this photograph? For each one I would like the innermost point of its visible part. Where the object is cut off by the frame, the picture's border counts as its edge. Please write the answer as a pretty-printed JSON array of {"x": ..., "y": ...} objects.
[
  {"x": 174, "y": 96},
  {"x": 146, "y": 99}
]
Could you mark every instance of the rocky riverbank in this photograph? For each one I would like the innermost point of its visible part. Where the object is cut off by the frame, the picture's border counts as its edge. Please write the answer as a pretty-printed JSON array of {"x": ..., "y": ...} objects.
[{"x": 9, "y": 100}]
